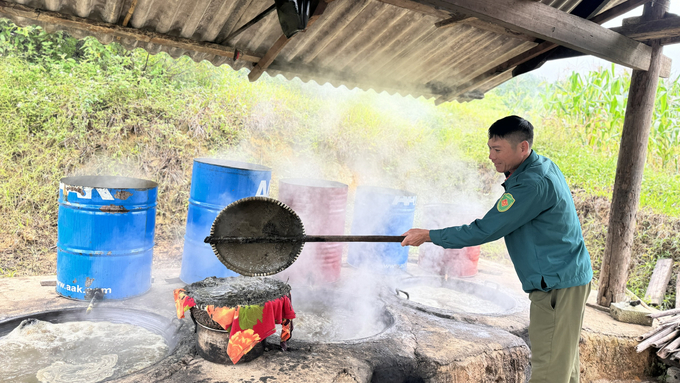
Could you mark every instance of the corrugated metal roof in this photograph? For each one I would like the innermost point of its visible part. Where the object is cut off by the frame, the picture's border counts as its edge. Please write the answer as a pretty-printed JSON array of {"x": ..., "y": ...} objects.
[{"x": 367, "y": 44}]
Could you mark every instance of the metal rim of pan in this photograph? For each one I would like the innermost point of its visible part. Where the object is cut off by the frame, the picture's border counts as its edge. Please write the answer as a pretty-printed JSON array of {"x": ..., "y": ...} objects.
[{"x": 248, "y": 272}]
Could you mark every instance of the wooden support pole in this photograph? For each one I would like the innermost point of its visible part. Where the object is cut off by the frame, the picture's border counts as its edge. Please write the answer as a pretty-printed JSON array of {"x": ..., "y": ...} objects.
[
  {"x": 129, "y": 13},
  {"x": 631, "y": 163},
  {"x": 659, "y": 281},
  {"x": 268, "y": 58}
]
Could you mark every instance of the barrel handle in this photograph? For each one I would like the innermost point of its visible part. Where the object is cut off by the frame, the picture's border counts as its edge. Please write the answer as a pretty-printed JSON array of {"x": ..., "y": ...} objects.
[{"x": 408, "y": 297}]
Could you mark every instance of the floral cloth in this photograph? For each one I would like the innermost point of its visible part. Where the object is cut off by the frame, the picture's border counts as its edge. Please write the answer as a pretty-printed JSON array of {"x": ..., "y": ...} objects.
[{"x": 247, "y": 325}]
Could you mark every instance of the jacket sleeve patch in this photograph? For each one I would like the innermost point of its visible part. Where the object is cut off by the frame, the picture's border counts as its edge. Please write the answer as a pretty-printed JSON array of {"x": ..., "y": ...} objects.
[{"x": 506, "y": 201}]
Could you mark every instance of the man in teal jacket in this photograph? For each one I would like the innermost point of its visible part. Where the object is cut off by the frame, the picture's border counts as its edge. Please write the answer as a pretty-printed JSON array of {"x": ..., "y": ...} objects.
[{"x": 537, "y": 217}]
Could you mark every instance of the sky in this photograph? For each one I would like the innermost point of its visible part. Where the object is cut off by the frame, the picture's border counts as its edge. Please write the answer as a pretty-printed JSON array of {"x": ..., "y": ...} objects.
[{"x": 560, "y": 69}]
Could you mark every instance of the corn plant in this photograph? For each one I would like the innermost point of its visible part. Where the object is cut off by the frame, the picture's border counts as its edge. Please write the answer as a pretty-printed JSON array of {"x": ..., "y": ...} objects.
[
  {"x": 593, "y": 105},
  {"x": 665, "y": 135}
]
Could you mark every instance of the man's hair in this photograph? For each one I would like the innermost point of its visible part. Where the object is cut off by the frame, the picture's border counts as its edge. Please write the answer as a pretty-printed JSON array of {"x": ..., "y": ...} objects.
[{"x": 515, "y": 129}]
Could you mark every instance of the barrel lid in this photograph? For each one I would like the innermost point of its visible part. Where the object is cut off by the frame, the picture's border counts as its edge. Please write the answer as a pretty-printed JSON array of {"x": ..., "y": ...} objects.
[
  {"x": 313, "y": 182},
  {"x": 109, "y": 182},
  {"x": 257, "y": 217},
  {"x": 232, "y": 164}
]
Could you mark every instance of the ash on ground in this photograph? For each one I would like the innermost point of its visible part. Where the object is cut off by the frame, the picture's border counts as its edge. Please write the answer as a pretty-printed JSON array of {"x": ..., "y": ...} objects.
[{"x": 236, "y": 291}]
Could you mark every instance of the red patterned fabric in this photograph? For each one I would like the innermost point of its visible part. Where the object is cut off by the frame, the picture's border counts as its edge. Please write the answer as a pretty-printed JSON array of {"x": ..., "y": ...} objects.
[
  {"x": 248, "y": 324},
  {"x": 183, "y": 302},
  {"x": 222, "y": 315}
]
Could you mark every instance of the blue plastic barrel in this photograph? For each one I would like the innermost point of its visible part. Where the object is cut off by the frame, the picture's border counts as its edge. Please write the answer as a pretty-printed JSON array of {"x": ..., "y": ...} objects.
[
  {"x": 106, "y": 230},
  {"x": 381, "y": 211},
  {"x": 215, "y": 184}
]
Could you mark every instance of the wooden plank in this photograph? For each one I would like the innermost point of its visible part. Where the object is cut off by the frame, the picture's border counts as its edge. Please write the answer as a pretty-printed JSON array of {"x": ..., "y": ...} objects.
[
  {"x": 453, "y": 20},
  {"x": 551, "y": 24},
  {"x": 629, "y": 168},
  {"x": 659, "y": 281},
  {"x": 268, "y": 58},
  {"x": 43, "y": 17},
  {"x": 128, "y": 16},
  {"x": 667, "y": 27}
]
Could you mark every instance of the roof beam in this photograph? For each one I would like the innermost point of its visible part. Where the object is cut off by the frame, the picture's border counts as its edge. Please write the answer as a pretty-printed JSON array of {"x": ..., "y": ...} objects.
[
  {"x": 501, "y": 69},
  {"x": 617, "y": 11},
  {"x": 13, "y": 10},
  {"x": 451, "y": 21},
  {"x": 445, "y": 16},
  {"x": 667, "y": 27},
  {"x": 670, "y": 41},
  {"x": 551, "y": 24}
]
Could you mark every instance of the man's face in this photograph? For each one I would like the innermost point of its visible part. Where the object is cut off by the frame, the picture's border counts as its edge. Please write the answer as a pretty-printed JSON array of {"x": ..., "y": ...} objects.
[{"x": 505, "y": 156}]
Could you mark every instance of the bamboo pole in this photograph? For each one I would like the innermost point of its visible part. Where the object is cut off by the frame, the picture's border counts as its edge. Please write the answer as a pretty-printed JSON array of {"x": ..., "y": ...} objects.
[
  {"x": 653, "y": 339},
  {"x": 670, "y": 348},
  {"x": 664, "y": 313},
  {"x": 650, "y": 333},
  {"x": 663, "y": 341},
  {"x": 631, "y": 163}
]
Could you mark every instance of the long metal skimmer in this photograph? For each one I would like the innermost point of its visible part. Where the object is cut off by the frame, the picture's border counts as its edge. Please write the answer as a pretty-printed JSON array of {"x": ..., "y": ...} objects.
[{"x": 262, "y": 236}]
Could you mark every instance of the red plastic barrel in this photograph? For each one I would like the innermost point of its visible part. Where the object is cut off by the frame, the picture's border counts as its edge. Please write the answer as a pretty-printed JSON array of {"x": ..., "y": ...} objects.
[
  {"x": 451, "y": 262},
  {"x": 321, "y": 205}
]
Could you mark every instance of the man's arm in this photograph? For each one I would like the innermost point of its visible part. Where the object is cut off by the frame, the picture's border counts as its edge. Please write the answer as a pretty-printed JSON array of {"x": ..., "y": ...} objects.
[{"x": 515, "y": 208}]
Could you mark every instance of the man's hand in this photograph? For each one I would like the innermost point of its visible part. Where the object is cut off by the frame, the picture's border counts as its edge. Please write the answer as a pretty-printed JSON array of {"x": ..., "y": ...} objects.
[{"x": 416, "y": 237}]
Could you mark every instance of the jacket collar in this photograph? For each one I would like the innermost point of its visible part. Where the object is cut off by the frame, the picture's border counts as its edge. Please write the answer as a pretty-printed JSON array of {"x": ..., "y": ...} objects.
[{"x": 528, "y": 161}]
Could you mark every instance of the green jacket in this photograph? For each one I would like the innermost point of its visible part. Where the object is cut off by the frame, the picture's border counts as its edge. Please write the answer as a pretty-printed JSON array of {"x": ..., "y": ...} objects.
[{"x": 537, "y": 217}]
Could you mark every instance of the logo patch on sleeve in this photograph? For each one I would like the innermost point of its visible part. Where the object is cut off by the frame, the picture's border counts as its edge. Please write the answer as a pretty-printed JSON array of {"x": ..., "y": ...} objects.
[{"x": 506, "y": 201}]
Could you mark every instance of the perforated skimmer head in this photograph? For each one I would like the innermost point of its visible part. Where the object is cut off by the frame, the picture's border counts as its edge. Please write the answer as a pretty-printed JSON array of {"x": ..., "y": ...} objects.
[{"x": 257, "y": 217}]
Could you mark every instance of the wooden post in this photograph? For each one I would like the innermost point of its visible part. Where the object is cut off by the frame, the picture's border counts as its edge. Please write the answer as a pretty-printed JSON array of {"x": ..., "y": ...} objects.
[{"x": 631, "y": 163}]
